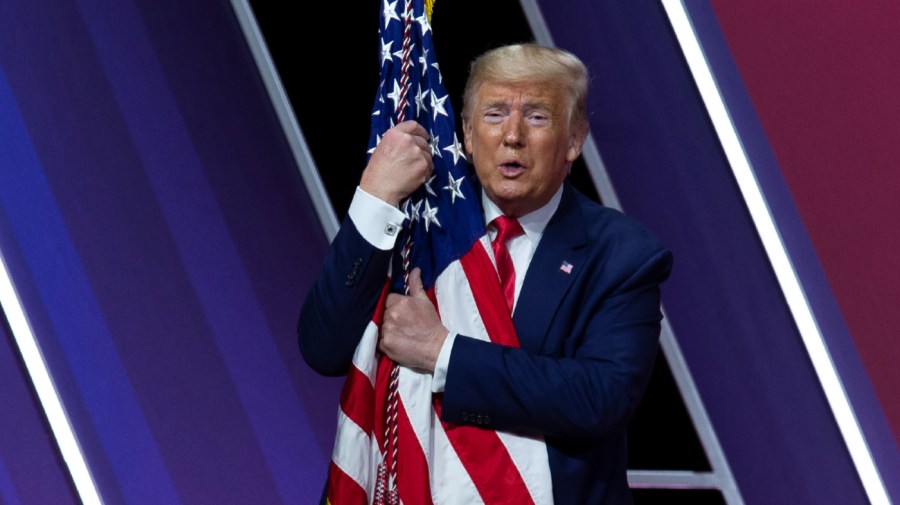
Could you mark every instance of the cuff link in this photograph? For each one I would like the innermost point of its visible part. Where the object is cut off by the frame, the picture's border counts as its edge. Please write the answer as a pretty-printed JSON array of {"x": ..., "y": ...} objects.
[{"x": 391, "y": 229}]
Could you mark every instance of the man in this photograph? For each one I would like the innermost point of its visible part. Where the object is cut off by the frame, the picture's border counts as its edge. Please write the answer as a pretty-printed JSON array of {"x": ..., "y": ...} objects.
[{"x": 583, "y": 282}]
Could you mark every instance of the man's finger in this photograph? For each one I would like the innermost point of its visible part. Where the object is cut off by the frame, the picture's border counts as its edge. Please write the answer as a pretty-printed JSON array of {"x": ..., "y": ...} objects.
[
  {"x": 392, "y": 299},
  {"x": 423, "y": 144},
  {"x": 416, "y": 289},
  {"x": 413, "y": 128}
]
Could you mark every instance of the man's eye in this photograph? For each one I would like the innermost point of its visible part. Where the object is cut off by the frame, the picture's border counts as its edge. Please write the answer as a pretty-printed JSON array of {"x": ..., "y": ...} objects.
[{"x": 493, "y": 116}]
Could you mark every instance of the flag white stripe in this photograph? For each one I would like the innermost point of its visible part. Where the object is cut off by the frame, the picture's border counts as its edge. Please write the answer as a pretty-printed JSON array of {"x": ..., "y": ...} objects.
[
  {"x": 460, "y": 312},
  {"x": 364, "y": 356},
  {"x": 458, "y": 308},
  {"x": 529, "y": 454},
  {"x": 415, "y": 394},
  {"x": 346, "y": 451},
  {"x": 450, "y": 482}
]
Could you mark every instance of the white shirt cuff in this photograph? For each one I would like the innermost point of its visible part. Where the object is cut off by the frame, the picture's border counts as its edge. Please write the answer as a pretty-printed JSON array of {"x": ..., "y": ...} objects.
[
  {"x": 377, "y": 221},
  {"x": 439, "y": 377}
]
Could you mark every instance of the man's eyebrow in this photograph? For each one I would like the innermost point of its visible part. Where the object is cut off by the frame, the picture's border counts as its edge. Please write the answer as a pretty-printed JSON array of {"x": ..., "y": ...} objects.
[
  {"x": 536, "y": 102},
  {"x": 497, "y": 102},
  {"x": 537, "y": 105},
  {"x": 530, "y": 105}
]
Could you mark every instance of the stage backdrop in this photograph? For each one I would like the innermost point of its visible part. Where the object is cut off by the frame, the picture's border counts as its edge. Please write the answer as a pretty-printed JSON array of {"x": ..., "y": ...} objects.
[{"x": 160, "y": 238}]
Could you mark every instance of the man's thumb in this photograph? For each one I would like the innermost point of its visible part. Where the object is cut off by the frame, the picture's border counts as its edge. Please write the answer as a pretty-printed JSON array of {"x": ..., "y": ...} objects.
[{"x": 416, "y": 289}]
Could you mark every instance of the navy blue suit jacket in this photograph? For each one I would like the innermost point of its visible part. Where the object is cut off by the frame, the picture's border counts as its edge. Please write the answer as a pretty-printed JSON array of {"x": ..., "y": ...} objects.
[{"x": 588, "y": 342}]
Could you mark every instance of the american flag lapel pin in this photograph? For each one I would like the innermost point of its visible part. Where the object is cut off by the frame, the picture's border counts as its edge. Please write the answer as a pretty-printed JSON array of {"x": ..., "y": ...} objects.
[{"x": 566, "y": 267}]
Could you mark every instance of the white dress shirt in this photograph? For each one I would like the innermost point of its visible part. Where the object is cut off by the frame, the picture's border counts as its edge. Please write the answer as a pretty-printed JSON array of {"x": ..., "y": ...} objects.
[{"x": 379, "y": 223}]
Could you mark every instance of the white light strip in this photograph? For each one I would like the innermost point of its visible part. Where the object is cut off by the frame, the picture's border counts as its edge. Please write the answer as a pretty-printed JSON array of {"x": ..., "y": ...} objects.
[
  {"x": 47, "y": 394},
  {"x": 784, "y": 271}
]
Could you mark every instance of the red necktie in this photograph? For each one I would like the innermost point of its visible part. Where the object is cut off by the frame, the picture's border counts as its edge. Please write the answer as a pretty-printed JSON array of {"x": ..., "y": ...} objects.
[{"x": 507, "y": 228}]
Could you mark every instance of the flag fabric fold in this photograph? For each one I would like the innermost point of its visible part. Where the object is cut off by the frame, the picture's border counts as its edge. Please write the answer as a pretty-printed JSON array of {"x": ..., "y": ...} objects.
[{"x": 428, "y": 461}]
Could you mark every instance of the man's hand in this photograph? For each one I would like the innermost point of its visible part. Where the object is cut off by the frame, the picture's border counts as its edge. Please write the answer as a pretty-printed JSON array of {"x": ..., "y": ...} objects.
[
  {"x": 412, "y": 333},
  {"x": 400, "y": 163}
]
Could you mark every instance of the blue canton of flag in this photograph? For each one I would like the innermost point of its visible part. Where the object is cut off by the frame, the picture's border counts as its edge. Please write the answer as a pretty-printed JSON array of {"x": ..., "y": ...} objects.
[{"x": 443, "y": 216}]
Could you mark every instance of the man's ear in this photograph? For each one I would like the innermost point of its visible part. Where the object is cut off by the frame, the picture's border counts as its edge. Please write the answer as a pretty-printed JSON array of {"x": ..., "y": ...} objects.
[{"x": 576, "y": 141}]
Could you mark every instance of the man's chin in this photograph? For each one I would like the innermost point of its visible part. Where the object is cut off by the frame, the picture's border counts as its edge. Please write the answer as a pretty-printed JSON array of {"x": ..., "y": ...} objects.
[{"x": 512, "y": 204}]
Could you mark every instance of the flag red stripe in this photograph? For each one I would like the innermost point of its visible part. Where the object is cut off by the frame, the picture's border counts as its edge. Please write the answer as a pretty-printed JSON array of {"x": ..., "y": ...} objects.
[
  {"x": 412, "y": 468},
  {"x": 342, "y": 490},
  {"x": 488, "y": 463},
  {"x": 482, "y": 453},
  {"x": 358, "y": 399},
  {"x": 488, "y": 296}
]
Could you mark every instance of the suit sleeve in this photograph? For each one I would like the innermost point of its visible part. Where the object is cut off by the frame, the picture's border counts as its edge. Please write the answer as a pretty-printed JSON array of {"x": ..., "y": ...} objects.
[
  {"x": 341, "y": 302},
  {"x": 582, "y": 393}
]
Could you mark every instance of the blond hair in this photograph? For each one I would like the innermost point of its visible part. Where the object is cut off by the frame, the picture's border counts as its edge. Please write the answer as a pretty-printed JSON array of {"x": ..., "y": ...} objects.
[{"x": 530, "y": 62}]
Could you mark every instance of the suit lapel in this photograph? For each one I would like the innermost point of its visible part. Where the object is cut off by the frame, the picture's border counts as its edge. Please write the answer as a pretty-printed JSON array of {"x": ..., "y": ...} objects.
[{"x": 546, "y": 280}]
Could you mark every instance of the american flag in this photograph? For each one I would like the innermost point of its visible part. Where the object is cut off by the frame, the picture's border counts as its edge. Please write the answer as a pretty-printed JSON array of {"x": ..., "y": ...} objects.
[
  {"x": 444, "y": 214},
  {"x": 386, "y": 453}
]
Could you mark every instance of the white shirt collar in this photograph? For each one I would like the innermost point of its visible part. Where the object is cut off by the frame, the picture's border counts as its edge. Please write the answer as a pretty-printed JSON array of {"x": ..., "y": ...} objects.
[{"x": 534, "y": 222}]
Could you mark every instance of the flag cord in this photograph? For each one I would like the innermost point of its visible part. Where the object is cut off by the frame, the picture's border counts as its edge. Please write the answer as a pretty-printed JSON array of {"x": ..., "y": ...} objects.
[{"x": 386, "y": 492}]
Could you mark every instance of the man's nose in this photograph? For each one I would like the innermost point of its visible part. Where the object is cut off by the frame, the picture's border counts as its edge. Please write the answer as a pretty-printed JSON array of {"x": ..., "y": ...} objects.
[{"x": 512, "y": 132}]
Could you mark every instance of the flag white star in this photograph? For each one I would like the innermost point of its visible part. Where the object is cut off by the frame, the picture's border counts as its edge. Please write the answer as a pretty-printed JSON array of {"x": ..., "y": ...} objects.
[
  {"x": 428, "y": 186},
  {"x": 420, "y": 101},
  {"x": 456, "y": 149},
  {"x": 429, "y": 216},
  {"x": 404, "y": 208},
  {"x": 435, "y": 145},
  {"x": 437, "y": 104},
  {"x": 386, "y": 51},
  {"x": 440, "y": 76},
  {"x": 423, "y": 22},
  {"x": 412, "y": 210},
  {"x": 390, "y": 12},
  {"x": 395, "y": 95},
  {"x": 423, "y": 60},
  {"x": 455, "y": 188}
]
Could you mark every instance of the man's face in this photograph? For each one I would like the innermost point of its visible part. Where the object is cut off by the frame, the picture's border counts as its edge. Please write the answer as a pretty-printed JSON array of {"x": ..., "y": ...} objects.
[{"x": 521, "y": 142}]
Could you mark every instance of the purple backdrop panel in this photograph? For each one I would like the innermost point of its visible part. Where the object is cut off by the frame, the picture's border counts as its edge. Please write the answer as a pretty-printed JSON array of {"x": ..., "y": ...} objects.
[
  {"x": 841, "y": 345},
  {"x": 823, "y": 81},
  {"x": 723, "y": 301},
  {"x": 162, "y": 241},
  {"x": 827, "y": 109},
  {"x": 31, "y": 470}
]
